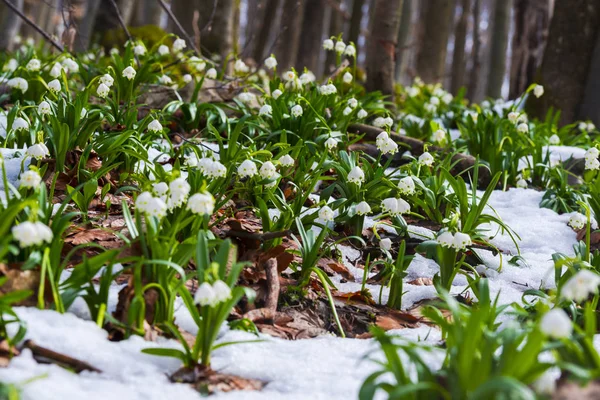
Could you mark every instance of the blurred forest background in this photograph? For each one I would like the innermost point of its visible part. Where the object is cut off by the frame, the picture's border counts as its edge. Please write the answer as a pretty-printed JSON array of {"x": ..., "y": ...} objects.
[{"x": 491, "y": 48}]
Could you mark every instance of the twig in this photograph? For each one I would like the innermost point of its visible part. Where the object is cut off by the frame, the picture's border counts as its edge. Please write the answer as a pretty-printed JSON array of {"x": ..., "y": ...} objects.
[
  {"x": 212, "y": 16},
  {"x": 34, "y": 25},
  {"x": 176, "y": 22},
  {"x": 124, "y": 26},
  {"x": 272, "y": 298},
  {"x": 42, "y": 354}
]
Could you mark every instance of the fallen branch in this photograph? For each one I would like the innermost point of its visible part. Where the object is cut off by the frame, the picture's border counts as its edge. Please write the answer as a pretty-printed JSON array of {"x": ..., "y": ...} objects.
[
  {"x": 34, "y": 25},
  {"x": 44, "y": 355}
]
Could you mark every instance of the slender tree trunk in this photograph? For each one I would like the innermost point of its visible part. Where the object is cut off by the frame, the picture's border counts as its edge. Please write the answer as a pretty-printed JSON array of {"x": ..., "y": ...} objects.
[
  {"x": 437, "y": 16},
  {"x": 567, "y": 59},
  {"x": 255, "y": 15},
  {"x": 381, "y": 47},
  {"x": 86, "y": 26},
  {"x": 126, "y": 8},
  {"x": 475, "y": 52},
  {"x": 10, "y": 24},
  {"x": 403, "y": 35},
  {"x": 501, "y": 27},
  {"x": 216, "y": 22},
  {"x": 148, "y": 13},
  {"x": 590, "y": 106},
  {"x": 184, "y": 11},
  {"x": 311, "y": 34},
  {"x": 460, "y": 38},
  {"x": 288, "y": 42},
  {"x": 264, "y": 30},
  {"x": 336, "y": 26},
  {"x": 532, "y": 19},
  {"x": 355, "y": 21}
]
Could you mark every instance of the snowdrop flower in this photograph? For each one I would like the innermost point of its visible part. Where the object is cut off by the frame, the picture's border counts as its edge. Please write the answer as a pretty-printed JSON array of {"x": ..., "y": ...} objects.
[
  {"x": 33, "y": 65},
  {"x": 163, "y": 50},
  {"x": 340, "y": 46},
  {"x": 581, "y": 285},
  {"x": 276, "y": 93},
  {"x": 438, "y": 136},
  {"x": 216, "y": 170},
  {"x": 554, "y": 140},
  {"x": 461, "y": 241},
  {"x": 107, "y": 79},
  {"x": 522, "y": 183},
  {"x": 187, "y": 78},
  {"x": 20, "y": 124},
  {"x": 156, "y": 208},
  {"x": 205, "y": 295},
  {"x": 328, "y": 89},
  {"x": 11, "y": 65},
  {"x": 70, "y": 65},
  {"x": 297, "y": 111},
  {"x": 426, "y": 159},
  {"x": 362, "y": 114},
  {"x": 582, "y": 126},
  {"x": 197, "y": 63},
  {"x": 380, "y": 122},
  {"x": 102, "y": 90},
  {"x": 155, "y": 126},
  {"x": 180, "y": 189},
  {"x": 245, "y": 97},
  {"x": 160, "y": 188},
  {"x": 538, "y": 91},
  {"x": 328, "y": 44},
  {"x": 30, "y": 179},
  {"x": 385, "y": 244},
  {"x": 590, "y": 126},
  {"x": 592, "y": 164},
  {"x": 31, "y": 234},
  {"x": 577, "y": 221},
  {"x": 289, "y": 75},
  {"x": 447, "y": 98},
  {"x": 211, "y": 73},
  {"x": 356, "y": 176},
  {"x": 406, "y": 186},
  {"x": 395, "y": 206},
  {"x": 201, "y": 203},
  {"x": 347, "y": 111},
  {"x": 37, "y": 151},
  {"x": 307, "y": 77},
  {"x": 247, "y": 169},
  {"x": 523, "y": 127},
  {"x": 142, "y": 201},
  {"x": 352, "y": 102},
  {"x": 165, "y": 80},
  {"x": 240, "y": 67},
  {"x": 286, "y": 161},
  {"x": 592, "y": 153},
  {"x": 435, "y": 101},
  {"x": 139, "y": 50},
  {"x": 556, "y": 324},
  {"x": 271, "y": 62},
  {"x": 446, "y": 239},
  {"x": 178, "y": 45},
  {"x": 267, "y": 170},
  {"x": 129, "y": 73},
  {"x": 114, "y": 51},
  {"x": 513, "y": 116},
  {"x": 331, "y": 143},
  {"x": 413, "y": 91},
  {"x": 347, "y": 77},
  {"x": 363, "y": 208},
  {"x": 265, "y": 110},
  {"x": 56, "y": 70},
  {"x": 350, "y": 50},
  {"x": 546, "y": 383},
  {"x": 19, "y": 84},
  {"x": 222, "y": 291},
  {"x": 386, "y": 145},
  {"x": 326, "y": 213},
  {"x": 44, "y": 108}
]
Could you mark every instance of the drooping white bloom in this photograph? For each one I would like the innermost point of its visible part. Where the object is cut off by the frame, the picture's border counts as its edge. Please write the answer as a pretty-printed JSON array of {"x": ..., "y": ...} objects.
[
  {"x": 187, "y": 78},
  {"x": 56, "y": 70},
  {"x": 352, "y": 102},
  {"x": 446, "y": 239},
  {"x": 286, "y": 161},
  {"x": 592, "y": 164},
  {"x": 102, "y": 90},
  {"x": 356, "y": 176},
  {"x": 326, "y": 213},
  {"x": 246, "y": 97},
  {"x": 31, "y": 233},
  {"x": 426, "y": 159},
  {"x": 139, "y": 50},
  {"x": 395, "y": 206},
  {"x": 447, "y": 98},
  {"x": 205, "y": 295},
  {"x": 546, "y": 383},
  {"x": 20, "y": 124},
  {"x": 11, "y": 65},
  {"x": 581, "y": 285},
  {"x": 19, "y": 84},
  {"x": 591, "y": 127},
  {"x": 538, "y": 91},
  {"x": 70, "y": 65},
  {"x": 347, "y": 77},
  {"x": 142, "y": 201},
  {"x": 37, "y": 151},
  {"x": 523, "y": 127},
  {"x": 265, "y": 110},
  {"x": 156, "y": 208},
  {"x": 160, "y": 189},
  {"x": 385, "y": 244},
  {"x": 554, "y": 140},
  {"x": 178, "y": 45},
  {"x": 240, "y": 67},
  {"x": 347, "y": 111},
  {"x": 513, "y": 116},
  {"x": 165, "y": 80},
  {"x": 155, "y": 126},
  {"x": 592, "y": 153},
  {"x": 211, "y": 73},
  {"x": 363, "y": 208},
  {"x": 307, "y": 77},
  {"x": 33, "y": 65},
  {"x": 522, "y": 183},
  {"x": 179, "y": 189},
  {"x": 107, "y": 79},
  {"x": 129, "y": 73},
  {"x": 381, "y": 122},
  {"x": 201, "y": 203},
  {"x": 328, "y": 44},
  {"x": 577, "y": 221},
  {"x": 276, "y": 93},
  {"x": 222, "y": 291},
  {"x": 247, "y": 169},
  {"x": 381, "y": 139},
  {"x": 163, "y": 49},
  {"x": 328, "y": 89},
  {"x": 350, "y": 50},
  {"x": 438, "y": 136},
  {"x": 413, "y": 91},
  {"x": 44, "y": 108},
  {"x": 30, "y": 179},
  {"x": 267, "y": 170},
  {"x": 386, "y": 145},
  {"x": 362, "y": 114},
  {"x": 406, "y": 186},
  {"x": 434, "y": 100},
  {"x": 297, "y": 111},
  {"x": 289, "y": 75},
  {"x": 461, "y": 241},
  {"x": 340, "y": 46},
  {"x": 271, "y": 62},
  {"x": 556, "y": 324},
  {"x": 331, "y": 143}
]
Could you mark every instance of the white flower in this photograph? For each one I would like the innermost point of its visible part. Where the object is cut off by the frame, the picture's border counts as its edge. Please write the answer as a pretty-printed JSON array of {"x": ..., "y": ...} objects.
[
  {"x": 37, "y": 151},
  {"x": 446, "y": 239},
  {"x": 56, "y": 70},
  {"x": 156, "y": 208},
  {"x": 20, "y": 124},
  {"x": 297, "y": 111},
  {"x": 70, "y": 65},
  {"x": 438, "y": 136},
  {"x": 356, "y": 176},
  {"x": 160, "y": 188},
  {"x": 328, "y": 44},
  {"x": 347, "y": 77},
  {"x": 406, "y": 186},
  {"x": 142, "y": 201},
  {"x": 180, "y": 189},
  {"x": 556, "y": 324},
  {"x": 592, "y": 164},
  {"x": 331, "y": 143},
  {"x": 31, "y": 234},
  {"x": 362, "y": 114},
  {"x": 513, "y": 116},
  {"x": 289, "y": 75},
  {"x": 522, "y": 183},
  {"x": 447, "y": 98},
  {"x": 592, "y": 153},
  {"x": 554, "y": 140},
  {"x": 381, "y": 122},
  {"x": 139, "y": 50},
  {"x": 205, "y": 295},
  {"x": 395, "y": 206},
  {"x": 426, "y": 159},
  {"x": 271, "y": 62},
  {"x": 435, "y": 101},
  {"x": 546, "y": 383},
  {"x": 129, "y": 73},
  {"x": 307, "y": 78},
  {"x": 187, "y": 78},
  {"x": 10, "y": 65},
  {"x": 538, "y": 91},
  {"x": 211, "y": 73},
  {"x": 178, "y": 45},
  {"x": 19, "y": 84},
  {"x": 328, "y": 89},
  {"x": 413, "y": 91},
  {"x": 246, "y": 97},
  {"x": 107, "y": 79},
  {"x": 44, "y": 108},
  {"x": 350, "y": 50},
  {"x": 197, "y": 63},
  {"x": 276, "y": 93},
  {"x": 30, "y": 179},
  {"x": 265, "y": 110},
  {"x": 388, "y": 146},
  {"x": 582, "y": 126},
  {"x": 33, "y": 65},
  {"x": 578, "y": 221},
  {"x": 165, "y": 80},
  {"x": 247, "y": 169},
  {"x": 461, "y": 241},
  {"x": 155, "y": 126},
  {"x": 286, "y": 161},
  {"x": 240, "y": 67},
  {"x": 163, "y": 50},
  {"x": 326, "y": 213},
  {"x": 201, "y": 203},
  {"x": 385, "y": 244},
  {"x": 347, "y": 111},
  {"x": 591, "y": 127},
  {"x": 267, "y": 170},
  {"x": 523, "y": 127},
  {"x": 340, "y": 46},
  {"x": 352, "y": 102},
  {"x": 102, "y": 90},
  {"x": 222, "y": 291},
  {"x": 581, "y": 285}
]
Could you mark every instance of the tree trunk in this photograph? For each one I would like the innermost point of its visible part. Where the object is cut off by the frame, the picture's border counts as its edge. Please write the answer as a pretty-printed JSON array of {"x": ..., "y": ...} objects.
[
  {"x": 356, "y": 21},
  {"x": 85, "y": 29},
  {"x": 336, "y": 26},
  {"x": 567, "y": 59},
  {"x": 288, "y": 42},
  {"x": 126, "y": 8},
  {"x": 10, "y": 25},
  {"x": 148, "y": 13},
  {"x": 216, "y": 24},
  {"x": 460, "y": 38},
  {"x": 590, "y": 106},
  {"x": 403, "y": 35},
  {"x": 381, "y": 47},
  {"x": 311, "y": 34},
  {"x": 532, "y": 18},
  {"x": 255, "y": 15},
  {"x": 501, "y": 27},
  {"x": 475, "y": 56},
  {"x": 437, "y": 16},
  {"x": 264, "y": 30}
]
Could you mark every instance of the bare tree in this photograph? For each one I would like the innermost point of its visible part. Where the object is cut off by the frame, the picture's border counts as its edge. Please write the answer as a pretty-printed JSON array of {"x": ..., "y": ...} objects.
[
  {"x": 403, "y": 35},
  {"x": 87, "y": 24},
  {"x": 501, "y": 26},
  {"x": 10, "y": 24},
  {"x": 356, "y": 20},
  {"x": 147, "y": 12},
  {"x": 475, "y": 52},
  {"x": 288, "y": 40},
  {"x": 336, "y": 26},
  {"x": 311, "y": 34},
  {"x": 460, "y": 38},
  {"x": 264, "y": 30},
  {"x": 381, "y": 48}
]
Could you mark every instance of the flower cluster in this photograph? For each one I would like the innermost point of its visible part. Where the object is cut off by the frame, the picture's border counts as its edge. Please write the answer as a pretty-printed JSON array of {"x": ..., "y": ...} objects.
[
  {"x": 31, "y": 234},
  {"x": 386, "y": 145},
  {"x": 457, "y": 241},
  {"x": 395, "y": 206},
  {"x": 580, "y": 286},
  {"x": 591, "y": 158},
  {"x": 212, "y": 295}
]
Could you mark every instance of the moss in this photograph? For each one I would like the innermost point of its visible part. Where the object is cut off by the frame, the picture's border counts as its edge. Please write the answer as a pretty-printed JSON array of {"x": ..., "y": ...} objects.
[{"x": 149, "y": 34}]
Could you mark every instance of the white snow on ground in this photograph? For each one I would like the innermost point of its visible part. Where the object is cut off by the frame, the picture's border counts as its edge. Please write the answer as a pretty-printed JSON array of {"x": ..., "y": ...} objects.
[{"x": 12, "y": 162}]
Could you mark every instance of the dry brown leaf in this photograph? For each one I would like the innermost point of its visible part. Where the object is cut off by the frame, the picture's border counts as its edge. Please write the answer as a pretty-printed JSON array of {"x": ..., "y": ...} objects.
[{"x": 421, "y": 282}]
